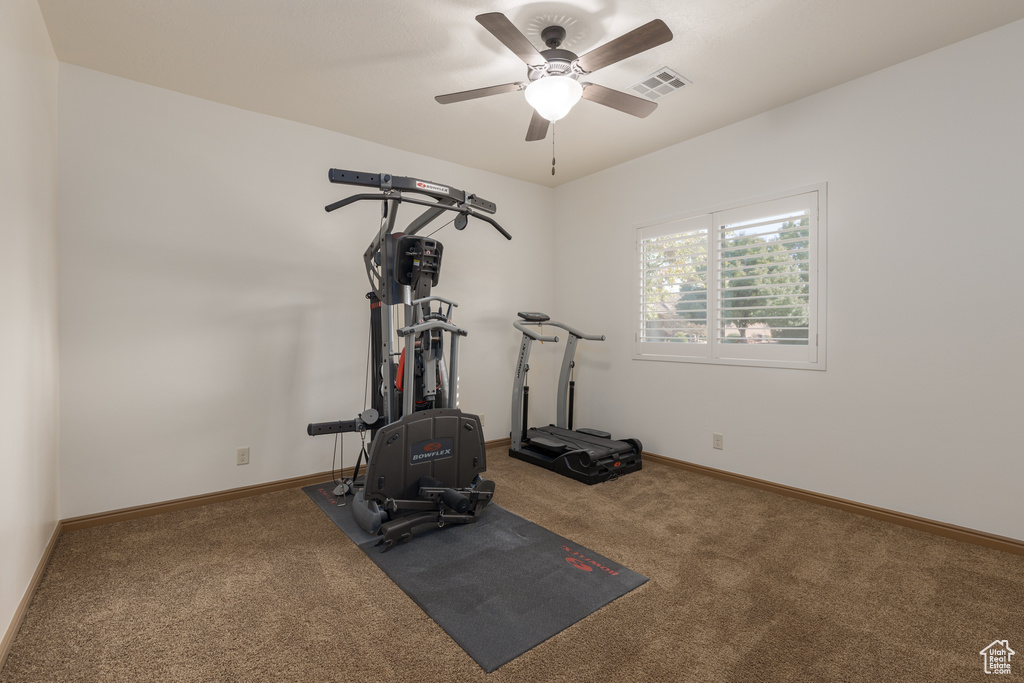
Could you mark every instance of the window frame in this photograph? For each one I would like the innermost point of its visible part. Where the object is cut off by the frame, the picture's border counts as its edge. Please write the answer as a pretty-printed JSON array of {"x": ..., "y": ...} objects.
[{"x": 811, "y": 356}]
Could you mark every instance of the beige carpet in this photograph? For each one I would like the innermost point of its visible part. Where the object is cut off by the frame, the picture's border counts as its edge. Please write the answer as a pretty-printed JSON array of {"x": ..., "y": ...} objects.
[{"x": 744, "y": 585}]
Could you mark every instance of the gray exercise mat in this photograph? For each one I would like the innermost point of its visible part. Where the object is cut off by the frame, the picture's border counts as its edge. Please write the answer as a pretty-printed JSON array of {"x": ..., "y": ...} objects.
[{"x": 498, "y": 587}]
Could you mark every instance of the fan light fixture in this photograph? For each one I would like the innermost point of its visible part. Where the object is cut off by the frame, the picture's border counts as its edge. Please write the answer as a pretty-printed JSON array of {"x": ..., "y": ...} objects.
[
  {"x": 554, "y": 96},
  {"x": 558, "y": 69}
]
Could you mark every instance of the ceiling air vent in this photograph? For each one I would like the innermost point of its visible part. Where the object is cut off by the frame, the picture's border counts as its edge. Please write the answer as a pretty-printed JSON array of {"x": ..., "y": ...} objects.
[{"x": 658, "y": 84}]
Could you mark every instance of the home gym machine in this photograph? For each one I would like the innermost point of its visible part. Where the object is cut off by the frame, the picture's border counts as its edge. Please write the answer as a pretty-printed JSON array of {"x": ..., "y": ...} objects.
[
  {"x": 426, "y": 455},
  {"x": 587, "y": 455}
]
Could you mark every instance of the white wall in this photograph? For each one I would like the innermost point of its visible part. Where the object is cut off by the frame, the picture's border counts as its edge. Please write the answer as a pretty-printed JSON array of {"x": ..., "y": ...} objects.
[
  {"x": 28, "y": 299},
  {"x": 208, "y": 302},
  {"x": 919, "y": 408}
]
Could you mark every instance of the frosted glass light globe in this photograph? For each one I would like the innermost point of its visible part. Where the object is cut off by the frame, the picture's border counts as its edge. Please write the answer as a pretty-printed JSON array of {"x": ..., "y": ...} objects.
[{"x": 554, "y": 96}]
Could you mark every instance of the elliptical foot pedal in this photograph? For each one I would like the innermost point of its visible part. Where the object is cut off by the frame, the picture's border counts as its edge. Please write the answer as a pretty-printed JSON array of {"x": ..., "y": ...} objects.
[{"x": 595, "y": 432}]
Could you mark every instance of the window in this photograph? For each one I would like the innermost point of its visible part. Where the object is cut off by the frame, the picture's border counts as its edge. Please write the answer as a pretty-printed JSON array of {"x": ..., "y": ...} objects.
[{"x": 740, "y": 285}]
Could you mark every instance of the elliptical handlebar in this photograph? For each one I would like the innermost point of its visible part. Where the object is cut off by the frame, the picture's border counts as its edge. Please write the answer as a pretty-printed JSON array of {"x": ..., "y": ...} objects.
[
  {"x": 576, "y": 333},
  {"x": 533, "y": 335},
  {"x": 521, "y": 326}
]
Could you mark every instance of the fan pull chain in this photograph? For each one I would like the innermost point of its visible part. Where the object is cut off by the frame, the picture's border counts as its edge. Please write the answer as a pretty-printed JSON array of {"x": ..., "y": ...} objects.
[{"x": 552, "y": 148}]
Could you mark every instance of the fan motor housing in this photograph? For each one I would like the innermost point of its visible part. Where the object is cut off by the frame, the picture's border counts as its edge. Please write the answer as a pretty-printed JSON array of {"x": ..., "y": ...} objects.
[{"x": 559, "y": 64}]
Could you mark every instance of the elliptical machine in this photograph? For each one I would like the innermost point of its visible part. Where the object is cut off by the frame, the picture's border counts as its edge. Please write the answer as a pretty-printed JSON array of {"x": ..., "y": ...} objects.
[
  {"x": 426, "y": 455},
  {"x": 587, "y": 455}
]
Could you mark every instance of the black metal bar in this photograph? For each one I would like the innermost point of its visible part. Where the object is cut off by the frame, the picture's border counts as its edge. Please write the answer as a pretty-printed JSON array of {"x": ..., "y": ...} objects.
[
  {"x": 337, "y": 175},
  {"x": 340, "y": 426},
  {"x": 482, "y": 204},
  {"x": 572, "y": 400},
  {"x": 351, "y": 200}
]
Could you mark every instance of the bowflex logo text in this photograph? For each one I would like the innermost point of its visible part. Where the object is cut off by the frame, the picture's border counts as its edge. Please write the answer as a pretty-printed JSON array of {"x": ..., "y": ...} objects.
[
  {"x": 425, "y": 451},
  {"x": 581, "y": 561},
  {"x": 432, "y": 186}
]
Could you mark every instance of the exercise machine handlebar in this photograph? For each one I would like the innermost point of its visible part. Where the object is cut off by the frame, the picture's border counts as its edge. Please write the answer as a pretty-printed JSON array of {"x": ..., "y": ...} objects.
[
  {"x": 576, "y": 333},
  {"x": 533, "y": 335},
  {"x": 399, "y": 199},
  {"x": 571, "y": 330},
  {"x": 385, "y": 182},
  {"x": 391, "y": 187},
  {"x": 431, "y": 325},
  {"x": 366, "y": 419},
  {"x": 434, "y": 298},
  {"x": 410, "y": 332}
]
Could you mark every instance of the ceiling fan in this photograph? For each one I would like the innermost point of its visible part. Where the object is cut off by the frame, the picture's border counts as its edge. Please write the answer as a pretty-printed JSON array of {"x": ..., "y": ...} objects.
[{"x": 553, "y": 74}]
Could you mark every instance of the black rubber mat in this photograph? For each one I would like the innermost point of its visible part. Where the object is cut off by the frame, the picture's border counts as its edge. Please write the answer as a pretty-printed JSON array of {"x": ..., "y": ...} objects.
[{"x": 498, "y": 587}]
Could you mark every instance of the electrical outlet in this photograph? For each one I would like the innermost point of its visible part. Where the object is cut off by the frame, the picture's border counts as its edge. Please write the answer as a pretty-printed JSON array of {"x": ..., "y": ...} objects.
[
  {"x": 717, "y": 441},
  {"x": 242, "y": 456},
  {"x": 481, "y": 420}
]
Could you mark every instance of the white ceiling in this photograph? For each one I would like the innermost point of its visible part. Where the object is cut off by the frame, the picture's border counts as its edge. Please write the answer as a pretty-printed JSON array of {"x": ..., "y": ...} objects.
[{"x": 371, "y": 68}]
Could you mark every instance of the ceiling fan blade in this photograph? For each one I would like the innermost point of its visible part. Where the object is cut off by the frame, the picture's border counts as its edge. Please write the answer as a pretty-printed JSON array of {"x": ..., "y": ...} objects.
[
  {"x": 651, "y": 34},
  {"x": 624, "y": 102},
  {"x": 511, "y": 37},
  {"x": 479, "y": 92},
  {"x": 538, "y": 129}
]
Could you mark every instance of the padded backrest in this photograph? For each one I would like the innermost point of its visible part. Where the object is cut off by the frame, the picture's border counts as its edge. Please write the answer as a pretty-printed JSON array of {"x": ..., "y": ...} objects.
[{"x": 446, "y": 444}]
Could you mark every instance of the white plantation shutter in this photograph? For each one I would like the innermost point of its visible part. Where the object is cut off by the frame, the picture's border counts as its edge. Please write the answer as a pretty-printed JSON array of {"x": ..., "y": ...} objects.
[
  {"x": 765, "y": 279},
  {"x": 741, "y": 285},
  {"x": 672, "y": 307}
]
